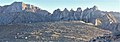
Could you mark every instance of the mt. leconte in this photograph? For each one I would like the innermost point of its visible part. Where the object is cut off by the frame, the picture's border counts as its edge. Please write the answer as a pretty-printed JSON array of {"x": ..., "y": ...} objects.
[{"x": 19, "y": 12}]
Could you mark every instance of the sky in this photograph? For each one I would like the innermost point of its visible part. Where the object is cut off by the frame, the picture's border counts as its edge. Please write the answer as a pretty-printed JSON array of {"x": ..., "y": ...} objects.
[{"x": 51, "y": 5}]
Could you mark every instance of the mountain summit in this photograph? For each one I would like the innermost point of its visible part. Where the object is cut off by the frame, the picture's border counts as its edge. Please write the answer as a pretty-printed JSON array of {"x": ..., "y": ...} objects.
[{"x": 19, "y": 7}]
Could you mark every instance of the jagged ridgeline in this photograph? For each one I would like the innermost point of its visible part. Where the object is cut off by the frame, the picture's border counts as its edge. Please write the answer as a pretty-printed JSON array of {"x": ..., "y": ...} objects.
[{"x": 19, "y": 12}]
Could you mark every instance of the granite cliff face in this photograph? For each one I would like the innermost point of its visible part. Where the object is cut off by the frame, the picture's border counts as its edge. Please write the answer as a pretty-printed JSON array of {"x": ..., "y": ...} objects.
[
  {"x": 19, "y": 7},
  {"x": 67, "y": 15},
  {"x": 19, "y": 12},
  {"x": 89, "y": 15}
]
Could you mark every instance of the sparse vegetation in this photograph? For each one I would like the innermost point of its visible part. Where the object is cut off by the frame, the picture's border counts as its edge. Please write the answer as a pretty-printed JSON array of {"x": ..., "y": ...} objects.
[{"x": 50, "y": 31}]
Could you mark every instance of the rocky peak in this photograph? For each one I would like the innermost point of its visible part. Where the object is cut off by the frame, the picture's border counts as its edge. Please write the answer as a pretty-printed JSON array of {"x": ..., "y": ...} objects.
[
  {"x": 71, "y": 10},
  {"x": 58, "y": 9},
  {"x": 87, "y": 9},
  {"x": 65, "y": 10},
  {"x": 95, "y": 8},
  {"x": 79, "y": 9},
  {"x": 19, "y": 7},
  {"x": 21, "y": 4},
  {"x": 0, "y": 6},
  {"x": 15, "y": 3}
]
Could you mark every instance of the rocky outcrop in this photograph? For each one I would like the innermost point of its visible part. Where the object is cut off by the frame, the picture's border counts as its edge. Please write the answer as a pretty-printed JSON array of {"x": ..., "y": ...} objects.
[
  {"x": 56, "y": 16},
  {"x": 89, "y": 15},
  {"x": 19, "y": 12},
  {"x": 115, "y": 28},
  {"x": 67, "y": 15},
  {"x": 101, "y": 19},
  {"x": 19, "y": 7},
  {"x": 14, "y": 7},
  {"x": 24, "y": 17},
  {"x": 78, "y": 14}
]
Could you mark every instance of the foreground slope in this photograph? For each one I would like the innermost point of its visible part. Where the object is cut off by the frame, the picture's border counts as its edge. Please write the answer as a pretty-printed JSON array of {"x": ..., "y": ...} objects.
[{"x": 65, "y": 31}]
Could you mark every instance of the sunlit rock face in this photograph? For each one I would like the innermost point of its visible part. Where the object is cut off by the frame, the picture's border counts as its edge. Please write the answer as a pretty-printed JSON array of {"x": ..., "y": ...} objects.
[
  {"x": 19, "y": 12},
  {"x": 104, "y": 20},
  {"x": 116, "y": 15},
  {"x": 107, "y": 19},
  {"x": 108, "y": 22},
  {"x": 97, "y": 22},
  {"x": 20, "y": 7},
  {"x": 97, "y": 17}
]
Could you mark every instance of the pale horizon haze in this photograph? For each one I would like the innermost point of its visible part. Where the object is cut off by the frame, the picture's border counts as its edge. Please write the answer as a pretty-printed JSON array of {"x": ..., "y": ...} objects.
[{"x": 51, "y": 5}]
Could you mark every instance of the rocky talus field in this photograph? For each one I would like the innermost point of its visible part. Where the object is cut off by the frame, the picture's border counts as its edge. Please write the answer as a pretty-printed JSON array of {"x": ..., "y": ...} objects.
[{"x": 65, "y": 31}]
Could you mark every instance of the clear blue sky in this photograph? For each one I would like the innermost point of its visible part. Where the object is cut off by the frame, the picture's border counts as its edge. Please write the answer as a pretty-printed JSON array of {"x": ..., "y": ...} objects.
[{"x": 50, "y": 5}]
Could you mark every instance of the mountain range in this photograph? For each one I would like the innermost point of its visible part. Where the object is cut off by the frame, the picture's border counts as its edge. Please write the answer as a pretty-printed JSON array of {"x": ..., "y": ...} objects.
[{"x": 19, "y": 12}]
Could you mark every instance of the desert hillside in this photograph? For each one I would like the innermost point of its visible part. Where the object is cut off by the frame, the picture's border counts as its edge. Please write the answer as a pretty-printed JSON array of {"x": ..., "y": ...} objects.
[{"x": 67, "y": 31}]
